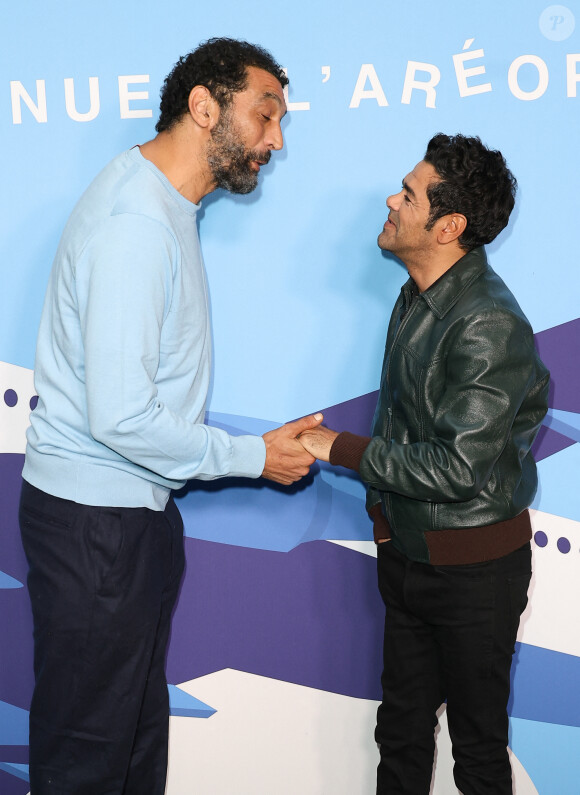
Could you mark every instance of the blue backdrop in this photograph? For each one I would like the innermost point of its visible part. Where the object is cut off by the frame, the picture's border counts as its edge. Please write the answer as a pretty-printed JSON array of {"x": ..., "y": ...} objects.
[{"x": 276, "y": 639}]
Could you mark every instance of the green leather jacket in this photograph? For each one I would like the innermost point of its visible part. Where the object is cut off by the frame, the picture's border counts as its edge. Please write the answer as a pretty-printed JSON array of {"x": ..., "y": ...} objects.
[{"x": 463, "y": 394}]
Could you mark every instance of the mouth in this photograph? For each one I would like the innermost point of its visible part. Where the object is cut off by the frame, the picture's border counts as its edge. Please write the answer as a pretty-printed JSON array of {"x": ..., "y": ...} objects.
[
  {"x": 256, "y": 164},
  {"x": 388, "y": 223}
]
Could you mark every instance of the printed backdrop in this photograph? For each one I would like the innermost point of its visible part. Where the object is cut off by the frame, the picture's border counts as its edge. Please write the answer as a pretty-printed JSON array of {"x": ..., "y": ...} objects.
[{"x": 274, "y": 661}]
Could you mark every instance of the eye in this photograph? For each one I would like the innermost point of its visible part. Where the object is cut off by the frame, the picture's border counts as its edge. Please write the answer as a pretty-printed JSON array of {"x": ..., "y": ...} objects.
[{"x": 268, "y": 118}]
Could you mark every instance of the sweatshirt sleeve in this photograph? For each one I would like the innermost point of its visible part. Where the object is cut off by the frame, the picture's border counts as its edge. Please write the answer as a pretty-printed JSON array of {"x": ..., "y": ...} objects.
[{"x": 124, "y": 283}]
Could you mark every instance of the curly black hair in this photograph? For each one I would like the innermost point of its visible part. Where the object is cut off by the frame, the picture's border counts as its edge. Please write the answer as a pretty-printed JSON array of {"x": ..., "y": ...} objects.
[
  {"x": 219, "y": 64},
  {"x": 475, "y": 181}
]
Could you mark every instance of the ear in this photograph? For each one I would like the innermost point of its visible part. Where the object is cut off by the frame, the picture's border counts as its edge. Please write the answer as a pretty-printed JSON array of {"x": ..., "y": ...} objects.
[
  {"x": 451, "y": 228},
  {"x": 203, "y": 108}
]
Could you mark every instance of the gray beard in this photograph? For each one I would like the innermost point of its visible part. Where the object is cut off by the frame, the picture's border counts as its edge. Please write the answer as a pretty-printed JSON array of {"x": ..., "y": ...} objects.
[{"x": 229, "y": 160}]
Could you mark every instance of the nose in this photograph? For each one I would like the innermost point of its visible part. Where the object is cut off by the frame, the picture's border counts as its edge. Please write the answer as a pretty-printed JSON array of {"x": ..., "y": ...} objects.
[
  {"x": 394, "y": 201},
  {"x": 275, "y": 139}
]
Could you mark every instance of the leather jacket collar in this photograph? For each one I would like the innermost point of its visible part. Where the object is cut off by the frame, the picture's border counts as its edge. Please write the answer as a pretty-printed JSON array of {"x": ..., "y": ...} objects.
[{"x": 443, "y": 294}]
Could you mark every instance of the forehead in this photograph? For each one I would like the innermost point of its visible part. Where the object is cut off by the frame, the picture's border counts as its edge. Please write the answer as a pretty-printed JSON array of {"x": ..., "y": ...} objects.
[
  {"x": 262, "y": 86},
  {"x": 421, "y": 177}
]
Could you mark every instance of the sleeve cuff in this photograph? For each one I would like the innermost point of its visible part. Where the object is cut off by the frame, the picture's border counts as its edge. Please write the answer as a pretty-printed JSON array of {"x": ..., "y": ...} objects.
[
  {"x": 347, "y": 450},
  {"x": 248, "y": 456}
]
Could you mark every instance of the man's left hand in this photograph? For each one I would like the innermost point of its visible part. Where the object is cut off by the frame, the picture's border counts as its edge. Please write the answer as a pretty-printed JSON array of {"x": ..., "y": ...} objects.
[
  {"x": 318, "y": 441},
  {"x": 286, "y": 459}
]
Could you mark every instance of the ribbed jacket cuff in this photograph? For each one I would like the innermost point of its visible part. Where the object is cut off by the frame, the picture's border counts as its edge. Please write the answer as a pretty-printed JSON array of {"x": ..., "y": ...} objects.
[
  {"x": 347, "y": 450},
  {"x": 381, "y": 529}
]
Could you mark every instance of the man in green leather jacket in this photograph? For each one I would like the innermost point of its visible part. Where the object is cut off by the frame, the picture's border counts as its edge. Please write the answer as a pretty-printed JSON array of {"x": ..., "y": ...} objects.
[{"x": 449, "y": 472}]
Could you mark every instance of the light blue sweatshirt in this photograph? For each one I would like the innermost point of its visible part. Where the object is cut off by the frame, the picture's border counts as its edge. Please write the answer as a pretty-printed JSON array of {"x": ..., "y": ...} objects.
[{"x": 123, "y": 357}]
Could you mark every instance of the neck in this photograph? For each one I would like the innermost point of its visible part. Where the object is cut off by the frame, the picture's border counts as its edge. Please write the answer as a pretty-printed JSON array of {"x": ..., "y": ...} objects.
[
  {"x": 180, "y": 155},
  {"x": 426, "y": 271}
]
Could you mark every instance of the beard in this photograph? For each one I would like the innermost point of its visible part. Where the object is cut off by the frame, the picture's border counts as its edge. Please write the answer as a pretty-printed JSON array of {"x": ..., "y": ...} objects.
[{"x": 228, "y": 158}]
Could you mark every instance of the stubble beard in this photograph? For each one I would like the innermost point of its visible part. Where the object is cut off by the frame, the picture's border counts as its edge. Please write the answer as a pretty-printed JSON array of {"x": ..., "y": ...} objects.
[
  {"x": 381, "y": 242},
  {"x": 228, "y": 158},
  {"x": 384, "y": 241}
]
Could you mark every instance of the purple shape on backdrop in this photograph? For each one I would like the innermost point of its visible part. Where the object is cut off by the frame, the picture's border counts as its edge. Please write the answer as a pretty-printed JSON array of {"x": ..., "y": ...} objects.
[
  {"x": 15, "y": 754},
  {"x": 16, "y": 679},
  {"x": 559, "y": 348},
  {"x": 549, "y": 442},
  {"x": 33, "y": 402},
  {"x": 10, "y": 398},
  {"x": 20, "y": 771},
  {"x": 541, "y": 538},
  {"x": 312, "y": 616},
  {"x": 13, "y": 559},
  {"x": 354, "y": 415},
  {"x": 564, "y": 545},
  {"x": 11, "y": 785}
]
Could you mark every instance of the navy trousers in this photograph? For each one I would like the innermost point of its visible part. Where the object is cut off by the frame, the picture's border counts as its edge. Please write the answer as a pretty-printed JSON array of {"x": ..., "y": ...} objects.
[
  {"x": 103, "y": 583},
  {"x": 450, "y": 634}
]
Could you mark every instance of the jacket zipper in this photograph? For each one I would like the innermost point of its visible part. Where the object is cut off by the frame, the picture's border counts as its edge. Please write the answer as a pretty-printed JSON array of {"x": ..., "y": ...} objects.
[
  {"x": 398, "y": 332},
  {"x": 387, "y": 496}
]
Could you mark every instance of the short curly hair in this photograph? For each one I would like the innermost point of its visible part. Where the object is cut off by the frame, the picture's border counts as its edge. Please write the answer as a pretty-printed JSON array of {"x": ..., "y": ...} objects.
[
  {"x": 219, "y": 64},
  {"x": 474, "y": 181}
]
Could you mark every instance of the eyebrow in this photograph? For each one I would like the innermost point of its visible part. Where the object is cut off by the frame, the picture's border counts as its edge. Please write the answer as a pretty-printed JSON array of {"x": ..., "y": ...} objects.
[
  {"x": 408, "y": 189},
  {"x": 276, "y": 98}
]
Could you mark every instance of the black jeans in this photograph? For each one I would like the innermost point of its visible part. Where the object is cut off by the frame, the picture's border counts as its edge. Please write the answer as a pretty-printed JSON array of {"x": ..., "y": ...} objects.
[
  {"x": 103, "y": 583},
  {"x": 450, "y": 633}
]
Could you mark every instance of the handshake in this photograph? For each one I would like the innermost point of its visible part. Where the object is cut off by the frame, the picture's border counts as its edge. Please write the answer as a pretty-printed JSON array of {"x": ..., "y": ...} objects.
[{"x": 293, "y": 448}]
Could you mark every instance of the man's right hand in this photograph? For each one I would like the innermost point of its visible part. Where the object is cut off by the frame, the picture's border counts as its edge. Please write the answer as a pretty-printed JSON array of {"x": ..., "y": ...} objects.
[{"x": 286, "y": 460}]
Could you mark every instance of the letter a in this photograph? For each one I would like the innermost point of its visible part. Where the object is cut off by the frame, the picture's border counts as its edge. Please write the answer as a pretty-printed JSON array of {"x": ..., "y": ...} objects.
[{"x": 367, "y": 72}]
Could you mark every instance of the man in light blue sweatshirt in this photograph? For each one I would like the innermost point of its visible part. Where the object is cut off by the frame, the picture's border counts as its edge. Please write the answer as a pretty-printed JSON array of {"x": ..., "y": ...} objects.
[{"x": 122, "y": 374}]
